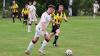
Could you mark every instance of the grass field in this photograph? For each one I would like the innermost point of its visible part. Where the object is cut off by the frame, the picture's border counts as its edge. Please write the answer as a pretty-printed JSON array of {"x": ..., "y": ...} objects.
[{"x": 81, "y": 34}]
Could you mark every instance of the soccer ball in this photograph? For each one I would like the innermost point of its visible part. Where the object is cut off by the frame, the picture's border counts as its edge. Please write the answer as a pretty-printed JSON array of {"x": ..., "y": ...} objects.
[{"x": 68, "y": 52}]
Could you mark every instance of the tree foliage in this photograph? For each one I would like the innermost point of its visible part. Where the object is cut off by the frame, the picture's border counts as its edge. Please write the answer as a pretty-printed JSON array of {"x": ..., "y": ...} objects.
[{"x": 78, "y": 5}]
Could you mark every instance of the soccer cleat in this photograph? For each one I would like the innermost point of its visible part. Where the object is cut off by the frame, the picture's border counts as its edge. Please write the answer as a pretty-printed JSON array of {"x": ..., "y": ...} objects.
[
  {"x": 42, "y": 51},
  {"x": 27, "y": 52}
]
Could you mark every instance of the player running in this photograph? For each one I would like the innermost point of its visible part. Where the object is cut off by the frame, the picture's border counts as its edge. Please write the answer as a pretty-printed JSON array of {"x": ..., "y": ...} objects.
[
  {"x": 14, "y": 9},
  {"x": 58, "y": 16},
  {"x": 41, "y": 30},
  {"x": 25, "y": 13},
  {"x": 95, "y": 9},
  {"x": 31, "y": 16}
]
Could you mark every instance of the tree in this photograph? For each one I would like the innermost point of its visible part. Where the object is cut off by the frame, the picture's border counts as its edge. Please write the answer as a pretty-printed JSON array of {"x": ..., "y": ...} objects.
[{"x": 4, "y": 8}]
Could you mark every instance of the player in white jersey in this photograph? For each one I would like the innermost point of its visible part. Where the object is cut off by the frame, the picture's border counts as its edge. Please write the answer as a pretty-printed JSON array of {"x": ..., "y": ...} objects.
[
  {"x": 41, "y": 31},
  {"x": 95, "y": 9},
  {"x": 32, "y": 16}
]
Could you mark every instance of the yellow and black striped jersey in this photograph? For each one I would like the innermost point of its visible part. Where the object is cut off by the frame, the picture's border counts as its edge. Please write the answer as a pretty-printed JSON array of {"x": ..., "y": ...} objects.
[
  {"x": 25, "y": 11},
  {"x": 14, "y": 7},
  {"x": 58, "y": 17}
]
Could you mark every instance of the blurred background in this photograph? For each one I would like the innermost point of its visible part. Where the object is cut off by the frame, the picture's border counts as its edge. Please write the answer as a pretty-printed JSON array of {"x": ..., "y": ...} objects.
[{"x": 80, "y": 7}]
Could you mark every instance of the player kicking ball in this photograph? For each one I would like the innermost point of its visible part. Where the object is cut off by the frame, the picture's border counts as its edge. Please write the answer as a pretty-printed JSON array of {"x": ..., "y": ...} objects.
[
  {"x": 95, "y": 9},
  {"x": 41, "y": 31}
]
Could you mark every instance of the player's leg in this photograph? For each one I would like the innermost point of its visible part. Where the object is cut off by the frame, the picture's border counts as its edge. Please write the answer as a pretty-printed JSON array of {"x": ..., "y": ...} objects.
[
  {"x": 31, "y": 45},
  {"x": 33, "y": 42},
  {"x": 51, "y": 34},
  {"x": 35, "y": 20},
  {"x": 56, "y": 37},
  {"x": 30, "y": 21},
  {"x": 25, "y": 19},
  {"x": 45, "y": 42},
  {"x": 19, "y": 16},
  {"x": 13, "y": 17},
  {"x": 35, "y": 23},
  {"x": 94, "y": 13},
  {"x": 29, "y": 26},
  {"x": 53, "y": 31}
]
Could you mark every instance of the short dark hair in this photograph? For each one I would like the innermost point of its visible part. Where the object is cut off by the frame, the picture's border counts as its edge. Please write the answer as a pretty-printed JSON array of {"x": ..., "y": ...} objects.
[{"x": 51, "y": 6}]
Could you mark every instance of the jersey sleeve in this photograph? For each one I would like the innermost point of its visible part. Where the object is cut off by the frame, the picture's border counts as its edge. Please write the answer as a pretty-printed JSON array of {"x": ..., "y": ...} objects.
[
  {"x": 98, "y": 6},
  {"x": 16, "y": 5},
  {"x": 23, "y": 10}
]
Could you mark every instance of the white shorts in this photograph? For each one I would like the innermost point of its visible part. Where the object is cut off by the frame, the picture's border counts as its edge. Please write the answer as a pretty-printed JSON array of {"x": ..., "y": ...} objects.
[
  {"x": 39, "y": 32},
  {"x": 32, "y": 17},
  {"x": 95, "y": 11}
]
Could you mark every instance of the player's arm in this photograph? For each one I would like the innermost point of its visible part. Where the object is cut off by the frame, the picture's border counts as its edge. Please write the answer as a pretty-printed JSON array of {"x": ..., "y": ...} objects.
[
  {"x": 11, "y": 7},
  {"x": 98, "y": 6},
  {"x": 22, "y": 11},
  {"x": 65, "y": 17},
  {"x": 17, "y": 6}
]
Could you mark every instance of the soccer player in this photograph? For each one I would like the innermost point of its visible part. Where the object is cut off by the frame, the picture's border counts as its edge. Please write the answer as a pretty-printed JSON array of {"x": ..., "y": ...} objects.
[
  {"x": 95, "y": 9},
  {"x": 31, "y": 16},
  {"x": 25, "y": 13},
  {"x": 41, "y": 30},
  {"x": 58, "y": 16},
  {"x": 14, "y": 9}
]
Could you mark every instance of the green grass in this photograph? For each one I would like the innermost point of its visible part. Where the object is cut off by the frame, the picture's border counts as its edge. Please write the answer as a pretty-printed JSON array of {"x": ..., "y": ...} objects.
[{"x": 81, "y": 34}]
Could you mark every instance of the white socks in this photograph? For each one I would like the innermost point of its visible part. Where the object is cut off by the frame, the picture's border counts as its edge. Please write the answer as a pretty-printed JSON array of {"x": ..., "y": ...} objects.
[
  {"x": 30, "y": 46},
  {"x": 29, "y": 28},
  {"x": 44, "y": 44}
]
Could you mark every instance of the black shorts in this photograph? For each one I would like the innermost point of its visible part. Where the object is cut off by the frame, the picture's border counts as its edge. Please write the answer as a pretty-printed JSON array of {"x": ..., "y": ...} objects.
[
  {"x": 55, "y": 27},
  {"x": 25, "y": 17},
  {"x": 14, "y": 14}
]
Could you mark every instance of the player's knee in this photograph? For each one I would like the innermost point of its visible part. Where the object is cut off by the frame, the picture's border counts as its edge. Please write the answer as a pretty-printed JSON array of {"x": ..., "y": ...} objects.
[
  {"x": 12, "y": 15},
  {"x": 29, "y": 24},
  {"x": 33, "y": 41},
  {"x": 47, "y": 39},
  {"x": 35, "y": 23},
  {"x": 57, "y": 31}
]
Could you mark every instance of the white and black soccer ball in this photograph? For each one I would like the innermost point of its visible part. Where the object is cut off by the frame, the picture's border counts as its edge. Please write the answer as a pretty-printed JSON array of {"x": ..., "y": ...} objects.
[{"x": 68, "y": 52}]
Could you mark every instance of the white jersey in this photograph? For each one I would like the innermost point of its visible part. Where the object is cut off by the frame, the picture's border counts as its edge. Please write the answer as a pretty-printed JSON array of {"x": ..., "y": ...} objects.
[
  {"x": 32, "y": 13},
  {"x": 44, "y": 18},
  {"x": 70, "y": 2},
  {"x": 96, "y": 6},
  {"x": 31, "y": 8}
]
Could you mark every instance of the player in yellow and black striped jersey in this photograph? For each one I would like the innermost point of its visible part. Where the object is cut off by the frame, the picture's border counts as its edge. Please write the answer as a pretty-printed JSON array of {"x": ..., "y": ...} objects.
[
  {"x": 14, "y": 9},
  {"x": 25, "y": 13},
  {"x": 57, "y": 19}
]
